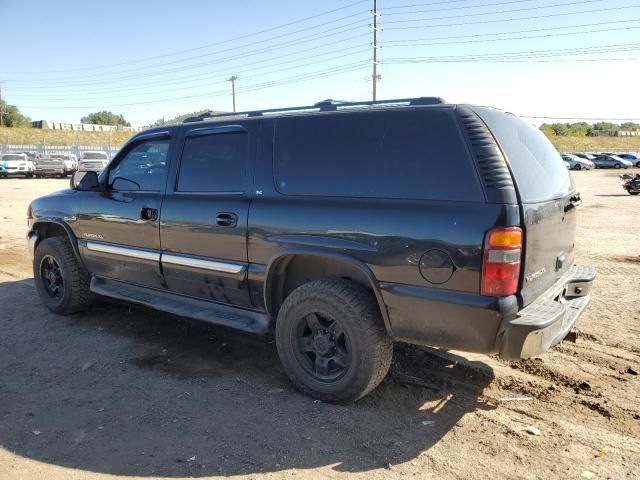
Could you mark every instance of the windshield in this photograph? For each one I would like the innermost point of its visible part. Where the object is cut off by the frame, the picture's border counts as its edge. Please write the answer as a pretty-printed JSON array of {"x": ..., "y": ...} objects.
[
  {"x": 615, "y": 157},
  {"x": 94, "y": 156},
  {"x": 10, "y": 157}
]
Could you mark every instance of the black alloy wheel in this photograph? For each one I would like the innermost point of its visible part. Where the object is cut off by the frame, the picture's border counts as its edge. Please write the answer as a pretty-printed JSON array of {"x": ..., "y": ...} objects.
[
  {"x": 51, "y": 275},
  {"x": 323, "y": 347}
]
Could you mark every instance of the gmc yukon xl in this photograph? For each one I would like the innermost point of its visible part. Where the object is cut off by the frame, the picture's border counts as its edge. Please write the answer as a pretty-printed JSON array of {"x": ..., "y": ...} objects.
[{"x": 342, "y": 227}]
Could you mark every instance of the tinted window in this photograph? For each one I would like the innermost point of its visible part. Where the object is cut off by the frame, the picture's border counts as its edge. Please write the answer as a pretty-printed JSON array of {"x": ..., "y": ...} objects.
[
  {"x": 214, "y": 163},
  {"x": 417, "y": 153},
  {"x": 537, "y": 167},
  {"x": 142, "y": 168}
]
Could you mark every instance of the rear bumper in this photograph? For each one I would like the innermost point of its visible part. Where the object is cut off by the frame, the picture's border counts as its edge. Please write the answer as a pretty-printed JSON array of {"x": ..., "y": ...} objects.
[
  {"x": 545, "y": 322},
  {"x": 476, "y": 323}
]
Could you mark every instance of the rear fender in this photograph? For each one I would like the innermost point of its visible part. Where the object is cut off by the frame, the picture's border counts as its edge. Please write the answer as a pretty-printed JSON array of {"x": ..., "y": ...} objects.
[{"x": 279, "y": 264}]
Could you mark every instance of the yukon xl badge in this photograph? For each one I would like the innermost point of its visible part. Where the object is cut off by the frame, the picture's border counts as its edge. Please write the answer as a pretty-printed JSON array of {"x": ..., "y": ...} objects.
[
  {"x": 95, "y": 236},
  {"x": 532, "y": 276}
]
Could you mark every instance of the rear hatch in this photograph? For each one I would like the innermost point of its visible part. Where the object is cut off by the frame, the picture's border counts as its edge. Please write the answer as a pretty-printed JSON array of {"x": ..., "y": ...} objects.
[{"x": 547, "y": 196}]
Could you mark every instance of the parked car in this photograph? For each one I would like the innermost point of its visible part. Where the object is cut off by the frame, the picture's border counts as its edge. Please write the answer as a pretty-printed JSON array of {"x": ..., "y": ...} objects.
[
  {"x": 588, "y": 156},
  {"x": 94, "y": 161},
  {"x": 631, "y": 157},
  {"x": 577, "y": 163},
  {"x": 18, "y": 164},
  {"x": 50, "y": 167},
  {"x": 342, "y": 227},
  {"x": 70, "y": 162},
  {"x": 611, "y": 161}
]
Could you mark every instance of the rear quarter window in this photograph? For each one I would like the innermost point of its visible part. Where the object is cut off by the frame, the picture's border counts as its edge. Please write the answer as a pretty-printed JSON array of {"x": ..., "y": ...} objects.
[
  {"x": 410, "y": 154},
  {"x": 537, "y": 167}
]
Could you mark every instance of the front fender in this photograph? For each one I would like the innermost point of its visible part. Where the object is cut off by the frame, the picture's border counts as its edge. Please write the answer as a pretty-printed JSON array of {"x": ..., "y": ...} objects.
[{"x": 37, "y": 233}]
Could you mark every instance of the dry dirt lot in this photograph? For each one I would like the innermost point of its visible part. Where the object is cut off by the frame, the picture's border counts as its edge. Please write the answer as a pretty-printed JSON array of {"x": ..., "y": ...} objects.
[{"x": 126, "y": 392}]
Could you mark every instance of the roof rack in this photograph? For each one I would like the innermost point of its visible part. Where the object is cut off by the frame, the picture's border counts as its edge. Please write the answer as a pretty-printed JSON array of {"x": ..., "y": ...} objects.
[{"x": 323, "y": 106}]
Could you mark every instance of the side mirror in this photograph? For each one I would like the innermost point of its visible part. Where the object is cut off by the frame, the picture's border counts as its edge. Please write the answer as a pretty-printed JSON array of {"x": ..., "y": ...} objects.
[{"x": 84, "y": 181}]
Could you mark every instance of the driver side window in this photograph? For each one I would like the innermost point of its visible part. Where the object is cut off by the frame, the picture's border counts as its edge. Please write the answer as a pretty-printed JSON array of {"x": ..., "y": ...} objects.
[{"x": 143, "y": 168}]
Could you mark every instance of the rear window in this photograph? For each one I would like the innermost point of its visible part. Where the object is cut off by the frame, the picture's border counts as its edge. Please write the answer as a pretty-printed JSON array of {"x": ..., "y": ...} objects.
[
  {"x": 411, "y": 154},
  {"x": 536, "y": 165}
]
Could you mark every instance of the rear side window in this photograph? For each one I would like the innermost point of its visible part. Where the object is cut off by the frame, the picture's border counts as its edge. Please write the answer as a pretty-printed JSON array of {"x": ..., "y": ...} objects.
[
  {"x": 537, "y": 167},
  {"x": 410, "y": 154},
  {"x": 214, "y": 163}
]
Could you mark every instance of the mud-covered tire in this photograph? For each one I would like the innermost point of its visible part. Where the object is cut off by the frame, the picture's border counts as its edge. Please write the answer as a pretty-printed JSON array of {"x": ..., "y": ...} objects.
[
  {"x": 355, "y": 312},
  {"x": 75, "y": 295}
]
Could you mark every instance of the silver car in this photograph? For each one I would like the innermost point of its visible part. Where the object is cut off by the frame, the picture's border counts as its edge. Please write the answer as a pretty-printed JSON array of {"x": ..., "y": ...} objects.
[{"x": 577, "y": 163}]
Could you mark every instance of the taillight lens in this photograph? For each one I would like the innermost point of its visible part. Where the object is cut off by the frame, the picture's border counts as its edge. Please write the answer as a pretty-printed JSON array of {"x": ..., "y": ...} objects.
[{"x": 501, "y": 261}]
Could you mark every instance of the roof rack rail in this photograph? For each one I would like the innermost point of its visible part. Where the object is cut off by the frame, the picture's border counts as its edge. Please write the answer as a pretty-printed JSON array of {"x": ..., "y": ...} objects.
[{"x": 322, "y": 106}]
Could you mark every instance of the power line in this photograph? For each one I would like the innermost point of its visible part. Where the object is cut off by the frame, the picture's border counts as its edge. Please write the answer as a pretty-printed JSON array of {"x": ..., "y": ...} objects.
[
  {"x": 464, "y": 15},
  {"x": 499, "y": 20},
  {"x": 308, "y": 76},
  {"x": 292, "y": 42},
  {"x": 550, "y": 35},
  {"x": 456, "y": 8},
  {"x": 231, "y": 40},
  {"x": 361, "y": 49},
  {"x": 580, "y": 25}
]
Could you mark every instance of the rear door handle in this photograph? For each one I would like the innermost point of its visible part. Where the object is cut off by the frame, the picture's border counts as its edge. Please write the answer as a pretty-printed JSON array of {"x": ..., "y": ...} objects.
[
  {"x": 148, "y": 213},
  {"x": 227, "y": 219}
]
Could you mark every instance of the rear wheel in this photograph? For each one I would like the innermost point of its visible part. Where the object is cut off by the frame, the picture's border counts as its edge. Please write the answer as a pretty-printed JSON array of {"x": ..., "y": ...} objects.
[
  {"x": 617, "y": 165},
  {"x": 61, "y": 281},
  {"x": 332, "y": 341},
  {"x": 634, "y": 193}
]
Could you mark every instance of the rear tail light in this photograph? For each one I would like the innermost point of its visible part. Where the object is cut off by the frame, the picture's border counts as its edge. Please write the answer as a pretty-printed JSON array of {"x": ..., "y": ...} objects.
[{"x": 501, "y": 261}]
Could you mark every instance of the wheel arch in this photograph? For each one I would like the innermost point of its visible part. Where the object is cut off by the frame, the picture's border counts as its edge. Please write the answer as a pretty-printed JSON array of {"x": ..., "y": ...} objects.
[
  {"x": 290, "y": 269},
  {"x": 52, "y": 227}
]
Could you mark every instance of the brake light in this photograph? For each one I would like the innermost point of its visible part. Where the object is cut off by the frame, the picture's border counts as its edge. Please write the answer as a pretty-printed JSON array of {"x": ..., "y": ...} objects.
[{"x": 501, "y": 261}]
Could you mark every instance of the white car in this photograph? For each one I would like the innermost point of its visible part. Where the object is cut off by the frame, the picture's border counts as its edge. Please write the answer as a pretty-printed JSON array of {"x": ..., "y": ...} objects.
[
  {"x": 577, "y": 163},
  {"x": 95, "y": 160},
  {"x": 70, "y": 161},
  {"x": 17, "y": 164}
]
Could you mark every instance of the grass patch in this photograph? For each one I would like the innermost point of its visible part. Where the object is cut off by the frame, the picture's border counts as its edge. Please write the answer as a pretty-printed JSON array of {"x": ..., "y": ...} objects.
[
  {"x": 596, "y": 144},
  {"x": 36, "y": 136}
]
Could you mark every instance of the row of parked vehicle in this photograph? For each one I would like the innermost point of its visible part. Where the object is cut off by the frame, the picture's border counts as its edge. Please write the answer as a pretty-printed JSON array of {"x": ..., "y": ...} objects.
[
  {"x": 587, "y": 161},
  {"x": 30, "y": 164}
]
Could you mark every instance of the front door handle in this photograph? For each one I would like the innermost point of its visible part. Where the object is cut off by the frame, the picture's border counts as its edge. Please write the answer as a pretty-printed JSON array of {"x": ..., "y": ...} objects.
[
  {"x": 148, "y": 213},
  {"x": 226, "y": 219}
]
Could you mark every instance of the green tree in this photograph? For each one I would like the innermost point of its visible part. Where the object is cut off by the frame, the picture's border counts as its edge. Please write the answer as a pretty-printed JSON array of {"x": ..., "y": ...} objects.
[
  {"x": 580, "y": 129},
  {"x": 560, "y": 129},
  {"x": 11, "y": 116},
  {"x": 547, "y": 130},
  {"x": 105, "y": 118},
  {"x": 605, "y": 127}
]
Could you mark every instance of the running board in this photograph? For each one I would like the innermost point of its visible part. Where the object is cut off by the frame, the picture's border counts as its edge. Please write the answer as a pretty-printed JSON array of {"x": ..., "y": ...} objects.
[{"x": 237, "y": 318}]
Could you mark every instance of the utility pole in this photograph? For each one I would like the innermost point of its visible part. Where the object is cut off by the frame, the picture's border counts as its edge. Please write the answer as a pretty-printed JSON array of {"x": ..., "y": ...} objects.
[
  {"x": 233, "y": 79},
  {"x": 374, "y": 76},
  {"x": 1, "y": 107}
]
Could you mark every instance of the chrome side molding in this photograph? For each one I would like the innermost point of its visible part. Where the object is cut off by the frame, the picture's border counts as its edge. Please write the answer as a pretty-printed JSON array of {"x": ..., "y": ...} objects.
[
  {"x": 213, "y": 265},
  {"x": 165, "y": 258},
  {"x": 124, "y": 251}
]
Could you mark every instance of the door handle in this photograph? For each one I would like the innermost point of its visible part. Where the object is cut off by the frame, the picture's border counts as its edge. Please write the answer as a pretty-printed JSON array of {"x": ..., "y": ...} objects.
[
  {"x": 226, "y": 219},
  {"x": 148, "y": 213}
]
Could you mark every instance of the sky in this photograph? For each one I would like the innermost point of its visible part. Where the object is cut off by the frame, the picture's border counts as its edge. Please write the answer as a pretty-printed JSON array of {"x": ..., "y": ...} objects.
[{"x": 564, "y": 59}]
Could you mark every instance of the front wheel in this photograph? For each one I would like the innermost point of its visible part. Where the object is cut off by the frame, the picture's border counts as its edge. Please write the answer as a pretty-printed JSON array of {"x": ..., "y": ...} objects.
[
  {"x": 332, "y": 341},
  {"x": 617, "y": 165},
  {"x": 61, "y": 281},
  {"x": 578, "y": 167}
]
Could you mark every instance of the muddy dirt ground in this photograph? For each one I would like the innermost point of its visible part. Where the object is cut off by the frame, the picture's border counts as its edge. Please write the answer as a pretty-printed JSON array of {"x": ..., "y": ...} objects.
[{"x": 121, "y": 391}]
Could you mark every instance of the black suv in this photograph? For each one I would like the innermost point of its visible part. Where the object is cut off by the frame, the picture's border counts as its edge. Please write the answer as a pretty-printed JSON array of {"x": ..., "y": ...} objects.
[{"x": 341, "y": 226}]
